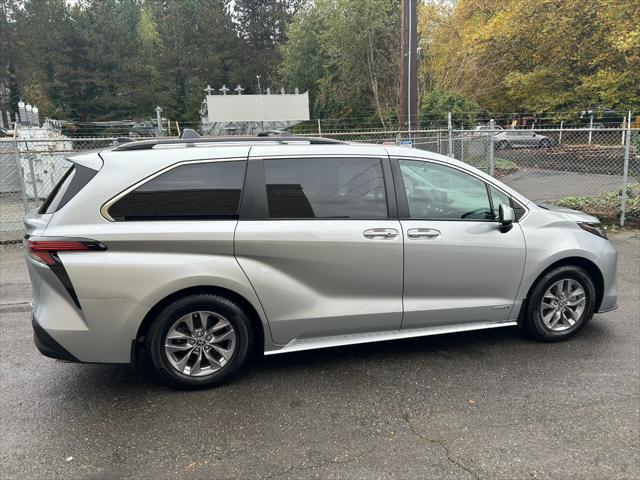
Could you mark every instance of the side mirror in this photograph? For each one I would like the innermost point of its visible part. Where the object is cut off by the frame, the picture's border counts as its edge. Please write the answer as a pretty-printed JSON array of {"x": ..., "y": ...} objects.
[{"x": 506, "y": 216}]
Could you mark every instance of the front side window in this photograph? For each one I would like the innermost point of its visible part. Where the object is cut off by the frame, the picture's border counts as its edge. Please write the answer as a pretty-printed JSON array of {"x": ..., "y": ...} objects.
[
  {"x": 438, "y": 192},
  {"x": 325, "y": 188},
  {"x": 197, "y": 191}
]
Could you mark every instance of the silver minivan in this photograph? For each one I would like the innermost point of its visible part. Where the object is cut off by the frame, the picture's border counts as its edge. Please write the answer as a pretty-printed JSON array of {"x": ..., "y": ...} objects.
[{"x": 199, "y": 252}]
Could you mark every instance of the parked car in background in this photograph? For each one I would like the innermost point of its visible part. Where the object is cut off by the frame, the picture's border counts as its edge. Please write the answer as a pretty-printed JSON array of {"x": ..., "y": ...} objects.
[
  {"x": 483, "y": 128},
  {"x": 521, "y": 138},
  {"x": 197, "y": 255}
]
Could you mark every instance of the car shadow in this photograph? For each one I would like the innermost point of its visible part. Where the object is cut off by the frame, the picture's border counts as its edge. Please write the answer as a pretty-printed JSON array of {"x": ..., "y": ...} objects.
[{"x": 452, "y": 353}]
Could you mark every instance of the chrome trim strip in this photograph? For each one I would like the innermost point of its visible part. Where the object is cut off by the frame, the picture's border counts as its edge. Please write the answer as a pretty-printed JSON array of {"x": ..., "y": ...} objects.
[{"x": 354, "y": 339}]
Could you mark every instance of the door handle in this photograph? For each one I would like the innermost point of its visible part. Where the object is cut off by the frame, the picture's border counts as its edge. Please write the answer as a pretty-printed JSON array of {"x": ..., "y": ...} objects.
[
  {"x": 416, "y": 233},
  {"x": 380, "y": 233}
]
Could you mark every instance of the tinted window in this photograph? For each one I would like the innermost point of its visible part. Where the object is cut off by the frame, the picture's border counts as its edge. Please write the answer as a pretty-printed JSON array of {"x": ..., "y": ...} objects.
[
  {"x": 188, "y": 192},
  {"x": 53, "y": 199},
  {"x": 439, "y": 192},
  {"x": 325, "y": 188}
]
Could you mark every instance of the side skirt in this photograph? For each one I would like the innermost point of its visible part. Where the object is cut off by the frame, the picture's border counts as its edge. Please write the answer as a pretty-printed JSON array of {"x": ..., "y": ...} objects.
[{"x": 354, "y": 339}]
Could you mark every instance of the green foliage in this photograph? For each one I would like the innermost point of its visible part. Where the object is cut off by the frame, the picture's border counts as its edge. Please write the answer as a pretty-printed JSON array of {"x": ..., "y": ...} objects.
[
  {"x": 534, "y": 55},
  {"x": 345, "y": 53},
  {"x": 436, "y": 104},
  {"x": 607, "y": 206},
  {"x": 117, "y": 59}
]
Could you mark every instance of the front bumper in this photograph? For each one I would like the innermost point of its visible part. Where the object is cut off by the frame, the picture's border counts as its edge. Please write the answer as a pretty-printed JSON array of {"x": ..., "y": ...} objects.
[
  {"x": 48, "y": 346},
  {"x": 606, "y": 308}
]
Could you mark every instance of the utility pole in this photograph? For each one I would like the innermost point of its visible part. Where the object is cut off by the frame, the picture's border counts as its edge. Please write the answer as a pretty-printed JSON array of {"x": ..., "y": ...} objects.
[{"x": 408, "y": 71}]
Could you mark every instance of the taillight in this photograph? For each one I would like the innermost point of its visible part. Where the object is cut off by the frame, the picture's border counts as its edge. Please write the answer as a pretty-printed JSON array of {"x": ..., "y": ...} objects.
[{"x": 45, "y": 250}]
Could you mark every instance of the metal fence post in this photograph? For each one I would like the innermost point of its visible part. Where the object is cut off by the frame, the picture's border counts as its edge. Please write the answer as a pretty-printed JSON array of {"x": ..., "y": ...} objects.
[
  {"x": 158, "y": 122},
  {"x": 492, "y": 125},
  {"x": 32, "y": 172},
  {"x": 590, "y": 128},
  {"x": 560, "y": 134},
  {"x": 23, "y": 187},
  {"x": 450, "y": 128},
  {"x": 462, "y": 143},
  {"x": 625, "y": 172}
]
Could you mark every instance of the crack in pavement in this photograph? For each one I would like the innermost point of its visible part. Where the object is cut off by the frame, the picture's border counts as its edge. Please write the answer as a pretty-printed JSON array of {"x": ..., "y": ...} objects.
[
  {"x": 294, "y": 468},
  {"x": 441, "y": 444}
]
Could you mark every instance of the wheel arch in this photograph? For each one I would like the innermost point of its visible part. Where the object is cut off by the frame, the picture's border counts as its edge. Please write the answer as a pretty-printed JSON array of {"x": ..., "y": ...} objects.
[
  {"x": 246, "y": 305},
  {"x": 584, "y": 263}
]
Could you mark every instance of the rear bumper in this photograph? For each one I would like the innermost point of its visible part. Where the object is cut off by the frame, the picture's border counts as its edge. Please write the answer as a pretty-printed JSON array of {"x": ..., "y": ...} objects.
[{"x": 48, "y": 346}]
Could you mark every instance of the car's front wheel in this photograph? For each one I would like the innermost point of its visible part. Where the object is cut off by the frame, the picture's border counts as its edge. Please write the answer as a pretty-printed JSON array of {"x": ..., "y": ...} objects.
[
  {"x": 560, "y": 304},
  {"x": 199, "y": 341}
]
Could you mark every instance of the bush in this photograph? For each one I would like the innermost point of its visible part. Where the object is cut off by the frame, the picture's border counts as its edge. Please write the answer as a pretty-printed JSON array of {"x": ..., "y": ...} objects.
[
  {"x": 436, "y": 105},
  {"x": 607, "y": 206},
  {"x": 501, "y": 167}
]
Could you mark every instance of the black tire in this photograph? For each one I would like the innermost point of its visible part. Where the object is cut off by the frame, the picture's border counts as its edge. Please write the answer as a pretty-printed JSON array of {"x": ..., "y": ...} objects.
[
  {"x": 156, "y": 337},
  {"x": 545, "y": 143},
  {"x": 532, "y": 321},
  {"x": 502, "y": 145}
]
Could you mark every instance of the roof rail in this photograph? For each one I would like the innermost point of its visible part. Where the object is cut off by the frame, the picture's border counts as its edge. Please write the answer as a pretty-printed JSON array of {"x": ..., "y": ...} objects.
[{"x": 148, "y": 144}]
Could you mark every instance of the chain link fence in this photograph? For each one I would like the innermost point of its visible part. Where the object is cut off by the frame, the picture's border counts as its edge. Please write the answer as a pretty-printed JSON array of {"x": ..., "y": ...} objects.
[
  {"x": 29, "y": 170},
  {"x": 582, "y": 169}
]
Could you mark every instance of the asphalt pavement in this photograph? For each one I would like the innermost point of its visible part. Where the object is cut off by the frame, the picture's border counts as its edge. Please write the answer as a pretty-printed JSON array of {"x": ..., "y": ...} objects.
[{"x": 478, "y": 405}]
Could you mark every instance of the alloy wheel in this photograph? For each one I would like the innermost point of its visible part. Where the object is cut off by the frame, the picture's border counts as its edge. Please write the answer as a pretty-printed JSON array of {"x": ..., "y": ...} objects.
[
  {"x": 562, "y": 304},
  {"x": 200, "y": 343}
]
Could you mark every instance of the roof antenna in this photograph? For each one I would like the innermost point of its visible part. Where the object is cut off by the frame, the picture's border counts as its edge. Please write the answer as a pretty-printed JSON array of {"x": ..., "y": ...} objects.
[{"x": 189, "y": 133}]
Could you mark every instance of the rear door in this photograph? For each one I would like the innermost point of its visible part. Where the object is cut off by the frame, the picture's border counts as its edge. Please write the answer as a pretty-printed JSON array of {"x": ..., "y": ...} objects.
[
  {"x": 321, "y": 244},
  {"x": 458, "y": 267}
]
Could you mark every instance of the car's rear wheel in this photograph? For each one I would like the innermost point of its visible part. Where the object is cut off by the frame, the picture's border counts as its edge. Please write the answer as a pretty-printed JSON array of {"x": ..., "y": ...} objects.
[
  {"x": 199, "y": 341},
  {"x": 560, "y": 304}
]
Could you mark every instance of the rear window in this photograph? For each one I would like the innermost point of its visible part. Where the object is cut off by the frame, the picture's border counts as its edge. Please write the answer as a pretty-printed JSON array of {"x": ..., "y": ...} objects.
[
  {"x": 199, "y": 191},
  {"x": 67, "y": 187}
]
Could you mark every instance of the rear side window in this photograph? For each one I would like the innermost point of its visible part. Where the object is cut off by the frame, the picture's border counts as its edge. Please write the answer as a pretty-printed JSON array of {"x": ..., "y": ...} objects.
[
  {"x": 198, "y": 191},
  {"x": 325, "y": 188},
  {"x": 74, "y": 180}
]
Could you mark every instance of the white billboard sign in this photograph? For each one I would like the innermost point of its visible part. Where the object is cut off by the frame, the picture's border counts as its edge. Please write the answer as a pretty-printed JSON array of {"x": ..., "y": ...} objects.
[{"x": 258, "y": 108}]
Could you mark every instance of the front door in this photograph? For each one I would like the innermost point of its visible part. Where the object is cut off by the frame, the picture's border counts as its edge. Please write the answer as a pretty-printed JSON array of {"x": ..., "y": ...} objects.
[
  {"x": 458, "y": 266},
  {"x": 321, "y": 247}
]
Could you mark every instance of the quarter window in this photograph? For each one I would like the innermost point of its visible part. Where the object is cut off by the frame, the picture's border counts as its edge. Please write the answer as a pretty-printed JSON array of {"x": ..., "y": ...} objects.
[
  {"x": 438, "y": 192},
  {"x": 325, "y": 188},
  {"x": 498, "y": 198},
  {"x": 188, "y": 192}
]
